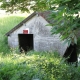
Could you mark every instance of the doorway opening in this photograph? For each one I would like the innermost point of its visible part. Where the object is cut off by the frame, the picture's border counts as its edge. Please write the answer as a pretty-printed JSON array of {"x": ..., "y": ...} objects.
[{"x": 25, "y": 42}]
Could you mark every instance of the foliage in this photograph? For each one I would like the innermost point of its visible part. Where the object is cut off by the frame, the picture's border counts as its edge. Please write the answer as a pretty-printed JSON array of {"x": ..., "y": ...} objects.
[
  {"x": 78, "y": 46},
  {"x": 36, "y": 65},
  {"x": 66, "y": 20},
  {"x": 14, "y": 5},
  {"x": 64, "y": 14},
  {"x": 25, "y": 5}
]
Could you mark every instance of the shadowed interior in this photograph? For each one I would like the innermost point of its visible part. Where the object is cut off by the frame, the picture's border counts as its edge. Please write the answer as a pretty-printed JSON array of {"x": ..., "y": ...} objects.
[{"x": 25, "y": 42}]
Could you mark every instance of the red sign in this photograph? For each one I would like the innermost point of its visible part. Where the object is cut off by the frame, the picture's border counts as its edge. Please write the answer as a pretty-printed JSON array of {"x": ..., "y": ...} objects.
[{"x": 25, "y": 31}]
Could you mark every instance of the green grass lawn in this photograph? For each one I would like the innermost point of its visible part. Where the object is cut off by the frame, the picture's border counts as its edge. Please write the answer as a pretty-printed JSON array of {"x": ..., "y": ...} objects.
[{"x": 7, "y": 22}]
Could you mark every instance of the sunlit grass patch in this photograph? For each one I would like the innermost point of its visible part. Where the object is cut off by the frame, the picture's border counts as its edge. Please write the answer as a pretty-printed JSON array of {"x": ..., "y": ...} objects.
[
  {"x": 7, "y": 22},
  {"x": 35, "y": 65},
  {"x": 30, "y": 65}
]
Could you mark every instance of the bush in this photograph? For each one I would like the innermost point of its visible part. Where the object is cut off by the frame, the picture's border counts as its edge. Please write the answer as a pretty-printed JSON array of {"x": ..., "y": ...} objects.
[{"x": 36, "y": 65}]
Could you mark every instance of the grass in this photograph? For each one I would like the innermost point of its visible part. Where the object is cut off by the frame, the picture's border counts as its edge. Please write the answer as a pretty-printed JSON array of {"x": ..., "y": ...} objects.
[
  {"x": 36, "y": 65},
  {"x": 7, "y": 23},
  {"x": 33, "y": 65}
]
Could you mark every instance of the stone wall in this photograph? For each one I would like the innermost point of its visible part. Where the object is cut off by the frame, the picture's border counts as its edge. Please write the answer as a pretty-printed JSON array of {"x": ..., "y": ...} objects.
[{"x": 43, "y": 40}]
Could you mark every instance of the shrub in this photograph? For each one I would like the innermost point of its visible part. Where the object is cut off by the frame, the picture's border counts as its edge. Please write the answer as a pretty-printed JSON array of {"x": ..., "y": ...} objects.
[{"x": 36, "y": 66}]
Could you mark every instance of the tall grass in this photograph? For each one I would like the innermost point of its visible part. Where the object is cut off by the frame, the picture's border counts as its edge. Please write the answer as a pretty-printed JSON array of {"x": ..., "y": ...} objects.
[
  {"x": 32, "y": 66},
  {"x": 36, "y": 66},
  {"x": 7, "y": 23}
]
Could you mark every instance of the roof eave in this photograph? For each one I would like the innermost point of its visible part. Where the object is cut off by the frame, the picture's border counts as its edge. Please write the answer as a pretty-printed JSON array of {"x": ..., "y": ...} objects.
[{"x": 21, "y": 23}]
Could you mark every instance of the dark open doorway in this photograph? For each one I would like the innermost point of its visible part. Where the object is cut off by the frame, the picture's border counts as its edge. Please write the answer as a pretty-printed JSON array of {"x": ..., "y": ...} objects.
[
  {"x": 71, "y": 54},
  {"x": 25, "y": 42}
]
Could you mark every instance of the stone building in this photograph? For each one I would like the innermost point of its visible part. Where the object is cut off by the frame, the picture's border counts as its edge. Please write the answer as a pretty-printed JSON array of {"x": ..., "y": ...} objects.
[{"x": 32, "y": 33}]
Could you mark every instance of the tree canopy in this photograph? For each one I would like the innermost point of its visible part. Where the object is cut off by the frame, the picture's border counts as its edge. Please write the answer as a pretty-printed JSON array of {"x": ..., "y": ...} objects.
[{"x": 64, "y": 13}]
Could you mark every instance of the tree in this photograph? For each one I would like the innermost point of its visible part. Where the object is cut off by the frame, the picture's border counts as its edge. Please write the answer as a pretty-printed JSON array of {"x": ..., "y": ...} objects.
[
  {"x": 14, "y": 5},
  {"x": 66, "y": 17},
  {"x": 65, "y": 14}
]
